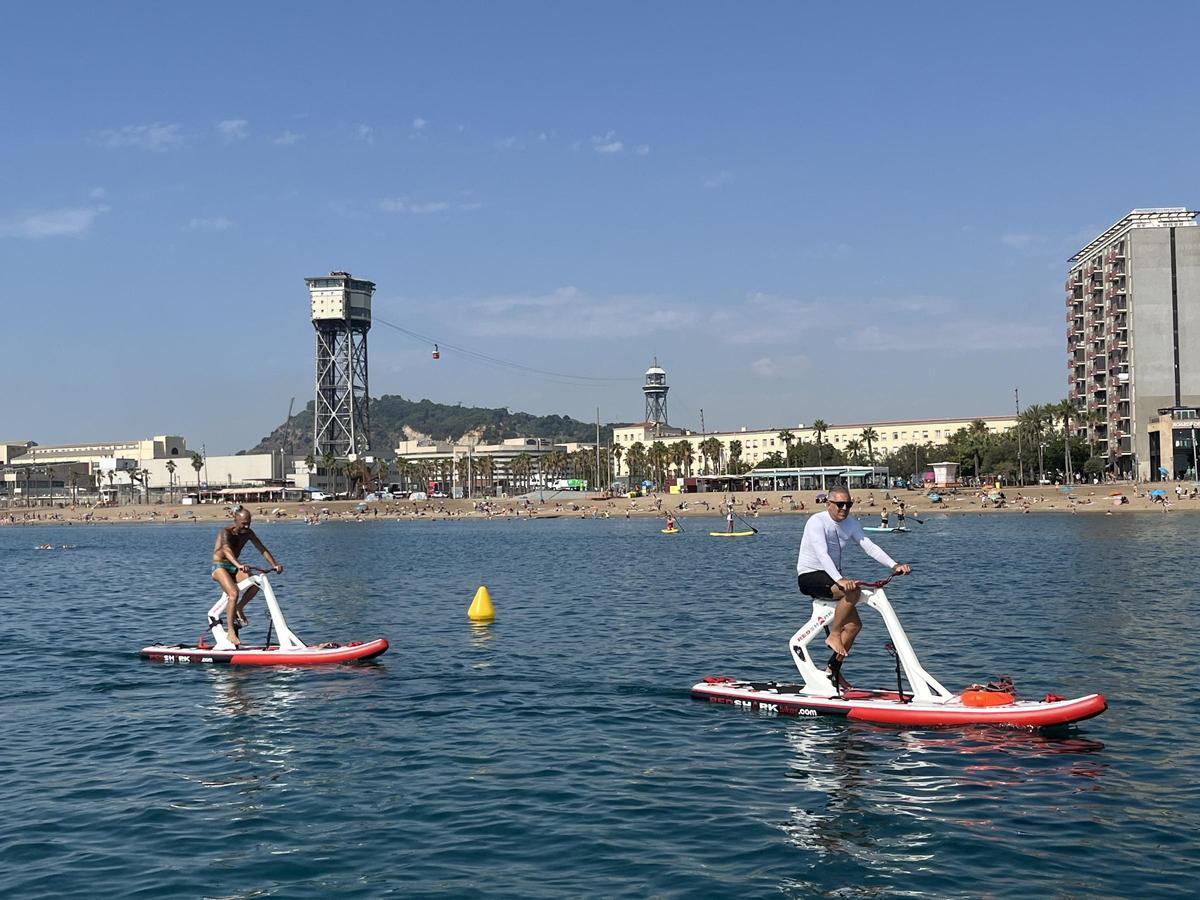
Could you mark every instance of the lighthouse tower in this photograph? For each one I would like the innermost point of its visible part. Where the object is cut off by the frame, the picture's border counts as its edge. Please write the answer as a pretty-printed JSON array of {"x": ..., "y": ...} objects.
[
  {"x": 341, "y": 316},
  {"x": 655, "y": 390}
]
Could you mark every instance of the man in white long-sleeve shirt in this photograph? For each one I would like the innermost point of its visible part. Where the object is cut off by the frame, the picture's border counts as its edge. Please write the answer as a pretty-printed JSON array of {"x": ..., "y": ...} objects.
[{"x": 819, "y": 567}]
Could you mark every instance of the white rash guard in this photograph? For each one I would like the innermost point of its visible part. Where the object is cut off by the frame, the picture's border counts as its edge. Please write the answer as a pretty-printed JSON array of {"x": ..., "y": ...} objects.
[{"x": 821, "y": 546}]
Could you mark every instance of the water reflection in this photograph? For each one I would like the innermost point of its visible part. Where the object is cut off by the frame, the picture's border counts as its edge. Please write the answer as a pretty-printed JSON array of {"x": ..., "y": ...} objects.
[{"x": 878, "y": 795}]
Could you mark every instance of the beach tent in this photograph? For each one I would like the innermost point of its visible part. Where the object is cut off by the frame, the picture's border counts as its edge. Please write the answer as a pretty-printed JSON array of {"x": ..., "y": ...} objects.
[{"x": 1162, "y": 470}]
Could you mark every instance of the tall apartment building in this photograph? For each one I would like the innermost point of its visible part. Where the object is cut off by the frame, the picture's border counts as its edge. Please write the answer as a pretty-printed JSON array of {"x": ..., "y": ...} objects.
[{"x": 1133, "y": 331}]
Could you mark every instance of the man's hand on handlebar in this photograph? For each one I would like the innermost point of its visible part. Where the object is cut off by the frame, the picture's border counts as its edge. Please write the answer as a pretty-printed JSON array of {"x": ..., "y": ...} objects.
[{"x": 902, "y": 569}]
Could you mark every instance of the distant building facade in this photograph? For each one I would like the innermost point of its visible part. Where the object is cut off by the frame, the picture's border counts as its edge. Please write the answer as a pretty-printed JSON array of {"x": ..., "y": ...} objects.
[
  {"x": 758, "y": 444},
  {"x": 1133, "y": 333},
  {"x": 153, "y": 469}
]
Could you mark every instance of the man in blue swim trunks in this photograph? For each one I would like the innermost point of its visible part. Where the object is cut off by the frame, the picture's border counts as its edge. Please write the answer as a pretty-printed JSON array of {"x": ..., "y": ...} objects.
[{"x": 226, "y": 568}]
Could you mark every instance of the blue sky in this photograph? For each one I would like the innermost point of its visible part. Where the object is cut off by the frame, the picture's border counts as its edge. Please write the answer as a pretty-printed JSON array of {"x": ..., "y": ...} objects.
[{"x": 849, "y": 212}]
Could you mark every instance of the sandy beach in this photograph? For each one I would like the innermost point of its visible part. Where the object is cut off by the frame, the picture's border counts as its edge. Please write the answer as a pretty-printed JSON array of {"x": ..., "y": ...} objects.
[{"x": 1084, "y": 499}]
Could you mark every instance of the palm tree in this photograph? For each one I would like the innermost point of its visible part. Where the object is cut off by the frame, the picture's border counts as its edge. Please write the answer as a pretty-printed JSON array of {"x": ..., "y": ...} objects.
[
  {"x": 676, "y": 452},
  {"x": 403, "y": 467},
  {"x": 328, "y": 460},
  {"x": 1034, "y": 419},
  {"x": 787, "y": 437},
  {"x": 519, "y": 468},
  {"x": 1092, "y": 418},
  {"x": 688, "y": 456},
  {"x": 854, "y": 450},
  {"x": 465, "y": 474},
  {"x": 113, "y": 472},
  {"x": 146, "y": 486},
  {"x": 617, "y": 452},
  {"x": 74, "y": 481},
  {"x": 820, "y": 426},
  {"x": 978, "y": 438},
  {"x": 657, "y": 457},
  {"x": 197, "y": 464},
  {"x": 635, "y": 461},
  {"x": 487, "y": 469},
  {"x": 869, "y": 436},
  {"x": 1066, "y": 411},
  {"x": 171, "y": 478},
  {"x": 735, "y": 457}
]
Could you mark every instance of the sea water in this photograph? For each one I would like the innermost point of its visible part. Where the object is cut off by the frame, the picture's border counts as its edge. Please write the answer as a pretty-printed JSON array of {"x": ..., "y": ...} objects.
[{"x": 557, "y": 752}]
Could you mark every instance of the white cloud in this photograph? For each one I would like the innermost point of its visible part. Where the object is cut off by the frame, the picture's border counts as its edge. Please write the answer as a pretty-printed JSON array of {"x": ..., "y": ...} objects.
[
  {"x": 642, "y": 149},
  {"x": 286, "y": 139},
  {"x": 364, "y": 133},
  {"x": 967, "y": 335},
  {"x": 419, "y": 124},
  {"x": 217, "y": 223},
  {"x": 509, "y": 143},
  {"x": 156, "y": 137},
  {"x": 607, "y": 143},
  {"x": 1022, "y": 241},
  {"x": 404, "y": 205},
  {"x": 716, "y": 179},
  {"x": 569, "y": 313},
  {"x": 48, "y": 223},
  {"x": 97, "y": 193},
  {"x": 765, "y": 367},
  {"x": 233, "y": 130}
]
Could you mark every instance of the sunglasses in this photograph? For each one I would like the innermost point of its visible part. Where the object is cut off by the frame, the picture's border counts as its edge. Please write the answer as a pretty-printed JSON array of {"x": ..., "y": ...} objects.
[{"x": 842, "y": 504}]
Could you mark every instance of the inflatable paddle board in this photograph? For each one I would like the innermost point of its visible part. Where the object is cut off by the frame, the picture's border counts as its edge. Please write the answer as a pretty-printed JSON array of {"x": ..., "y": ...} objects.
[
  {"x": 289, "y": 651},
  {"x": 925, "y": 702},
  {"x": 880, "y": 528},
  {"x": 888, "y": 707},
  {"x": 730, "y": 533},
  {"x": 670, "y": 531},
  {"x": 268, "y": 656}
]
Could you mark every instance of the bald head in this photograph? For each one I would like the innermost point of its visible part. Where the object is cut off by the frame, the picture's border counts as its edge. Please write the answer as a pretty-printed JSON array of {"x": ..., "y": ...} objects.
[{"x": 242, "y": 516}]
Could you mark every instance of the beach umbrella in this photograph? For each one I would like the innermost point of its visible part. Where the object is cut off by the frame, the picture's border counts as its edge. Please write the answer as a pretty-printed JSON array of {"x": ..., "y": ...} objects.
[
  {"x": 1157, "y": 492},
  {"x": 1162, "y": 470}
]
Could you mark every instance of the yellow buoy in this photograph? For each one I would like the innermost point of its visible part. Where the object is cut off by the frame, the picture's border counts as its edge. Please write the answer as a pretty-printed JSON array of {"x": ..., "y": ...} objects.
[{"x": 481, "y": 607}]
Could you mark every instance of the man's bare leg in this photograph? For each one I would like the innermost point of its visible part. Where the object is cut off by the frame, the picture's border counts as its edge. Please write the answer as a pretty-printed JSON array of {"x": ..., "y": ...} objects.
[
  {"x": 843, "y": 614},
  {"x": 229, "y": 586},
  {"x": 246, "y": 598}
]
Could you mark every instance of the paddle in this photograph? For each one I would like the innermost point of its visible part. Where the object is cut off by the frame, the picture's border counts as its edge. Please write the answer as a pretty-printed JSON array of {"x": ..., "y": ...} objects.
[
  {"x": 743, "y": 521},
  {"x": 678, "y": 527}
]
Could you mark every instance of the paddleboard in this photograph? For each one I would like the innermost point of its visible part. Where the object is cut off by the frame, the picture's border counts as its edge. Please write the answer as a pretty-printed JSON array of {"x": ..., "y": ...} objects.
[
  {"x": 730, "y": 533},
  {"x": 887, "y": 707},
  {"x": 880, "y": 528},
  {"x": 670, "y": 531},
  {"x": 318, "y": 654}
]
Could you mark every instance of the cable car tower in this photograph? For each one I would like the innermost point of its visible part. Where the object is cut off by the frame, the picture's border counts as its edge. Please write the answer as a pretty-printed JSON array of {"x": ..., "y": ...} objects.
[
  {"x": 341, "y": 315},
  {"x": 655, "y": 390}
]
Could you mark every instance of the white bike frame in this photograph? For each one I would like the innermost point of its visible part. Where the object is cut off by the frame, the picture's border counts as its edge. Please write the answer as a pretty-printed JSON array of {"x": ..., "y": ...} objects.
[
  {"x": 925, "y": 688},
  {"x": 287, "y": 639}
]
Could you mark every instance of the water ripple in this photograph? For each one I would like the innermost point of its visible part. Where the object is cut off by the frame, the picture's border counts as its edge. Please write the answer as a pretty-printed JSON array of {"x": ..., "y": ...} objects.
[{"x": 557, "y": 753}]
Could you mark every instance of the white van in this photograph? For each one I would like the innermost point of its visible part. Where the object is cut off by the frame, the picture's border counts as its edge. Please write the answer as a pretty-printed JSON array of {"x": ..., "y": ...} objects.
[
  {"x": 418, "y": 495},
  {"x": 319, "y": 496}
]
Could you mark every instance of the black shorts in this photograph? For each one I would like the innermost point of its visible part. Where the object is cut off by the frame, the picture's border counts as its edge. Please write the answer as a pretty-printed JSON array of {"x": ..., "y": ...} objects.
[{"x": 816, "y": 584}]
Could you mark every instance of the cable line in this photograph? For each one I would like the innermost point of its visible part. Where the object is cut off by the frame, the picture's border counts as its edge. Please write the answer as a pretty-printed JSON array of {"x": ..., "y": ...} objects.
[{"x": 485, "y": 359}]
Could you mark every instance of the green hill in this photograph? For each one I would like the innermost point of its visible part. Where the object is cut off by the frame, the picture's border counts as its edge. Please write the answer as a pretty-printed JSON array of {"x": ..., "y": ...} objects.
[{"x": 394, "y": 419}]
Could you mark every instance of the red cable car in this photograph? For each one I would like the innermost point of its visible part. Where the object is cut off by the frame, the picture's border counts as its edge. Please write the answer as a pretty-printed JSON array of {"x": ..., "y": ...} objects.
[{"x": 436, "y": 353}]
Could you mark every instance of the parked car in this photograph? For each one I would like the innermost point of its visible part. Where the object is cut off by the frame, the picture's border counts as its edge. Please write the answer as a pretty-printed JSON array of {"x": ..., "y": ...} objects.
[
  {"x": 319, "y": 496},
  {"x": 440, "y": 495},
  {"x": 418, "y": 495}
]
